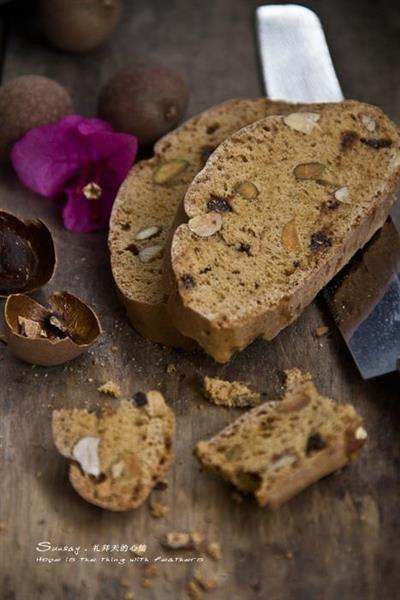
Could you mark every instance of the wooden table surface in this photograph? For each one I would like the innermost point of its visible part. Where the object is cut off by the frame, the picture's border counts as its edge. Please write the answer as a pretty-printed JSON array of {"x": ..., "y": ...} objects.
[{"x": 337, "y": 540}]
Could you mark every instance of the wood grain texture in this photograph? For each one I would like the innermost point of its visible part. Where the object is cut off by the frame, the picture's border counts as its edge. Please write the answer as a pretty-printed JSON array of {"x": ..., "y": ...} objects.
[{"x": 339, "y": 539}]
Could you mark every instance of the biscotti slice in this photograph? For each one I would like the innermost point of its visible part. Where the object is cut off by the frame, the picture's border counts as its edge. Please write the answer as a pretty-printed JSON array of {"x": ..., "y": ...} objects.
[
  {"x": 233, "y": 394},
  {"x": 146, "y": 204},
  {"x": 277, "y": 449},
  {"x": 276, "y": 212},
  {"x": 117, "y": 456}
]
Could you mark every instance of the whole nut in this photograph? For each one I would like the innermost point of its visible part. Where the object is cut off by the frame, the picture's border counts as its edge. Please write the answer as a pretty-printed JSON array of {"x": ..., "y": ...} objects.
[
  {"x": 309, "y": 170},
  {"x": 86, "y": 453},
  {"x": 150, "y": 253},
  {"x": 304, "y": 122},
  {"x": 169, "y": 171},
  {"x": 290, "y": 238},
  {"x": 247, "y": 190},
  {"x": 205, "y": 225}
]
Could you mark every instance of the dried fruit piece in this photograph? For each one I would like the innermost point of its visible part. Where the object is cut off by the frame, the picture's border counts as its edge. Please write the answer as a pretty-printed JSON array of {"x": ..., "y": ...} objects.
[
  {"x": 146, "y": 233},
  {"x": 343, "y": 195},
  {"x": 290, "y": 238},
  {"x": 218, "y": 204},
  {"x": 205, "y": 225},
  {"x": 27, "y": 255},
  {"x": 348, "y": 139},
  {"x": 315, "y": 443},
  {"x": 247, "y": 190},
  {"x": 69, "y": 328},
  {"x": 319, "y": 241},
  {"x": 169, "y": 171},
  {"x": 150, "y": 253},
  {"x": 304, "y": 122},
  {"x": 368, "y": 122},
  {"x": 309, "y": 170},
  {"x": 86, "y": 453},
  {"x": 376, "y": 143}
]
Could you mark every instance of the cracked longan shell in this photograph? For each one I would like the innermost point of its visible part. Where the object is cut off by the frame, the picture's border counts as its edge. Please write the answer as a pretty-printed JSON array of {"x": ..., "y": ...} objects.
[
  {"x": 146, "y": 100},
  {"x": 26, "y": 102},
  {"x": 27, "y": 255},
  {"x": 78, "y": 324},
  {"x": 78, "y": 26}
]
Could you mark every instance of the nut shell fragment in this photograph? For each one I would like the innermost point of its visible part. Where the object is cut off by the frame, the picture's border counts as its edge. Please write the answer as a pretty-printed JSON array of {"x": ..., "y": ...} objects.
[
  {"x": 78, "y": 328},
  {"x": 27, "y": 255}
]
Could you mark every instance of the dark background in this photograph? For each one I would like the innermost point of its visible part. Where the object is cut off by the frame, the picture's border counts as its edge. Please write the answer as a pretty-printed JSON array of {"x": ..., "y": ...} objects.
[{"x": 339, "y": 539}]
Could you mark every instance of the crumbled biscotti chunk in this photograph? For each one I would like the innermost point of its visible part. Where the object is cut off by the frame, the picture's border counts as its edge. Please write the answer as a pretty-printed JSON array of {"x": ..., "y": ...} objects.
[
  {"x": 117, "y": 457},
  {"x": 147, "y": 203},
  {"x": 158, "y": 510},
  {"x": 110, "y": 388},
  {"x": 279, "y": 208},
  {"x": 234, "y": 394},
  {"x": 321, "y": 331},
  {"x": 279, "y": 448},
  {"x": 214, "y": 550}
]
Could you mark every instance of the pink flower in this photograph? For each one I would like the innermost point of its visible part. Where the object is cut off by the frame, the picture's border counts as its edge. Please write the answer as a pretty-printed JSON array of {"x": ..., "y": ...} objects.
[{"x": 82, "y": 158}]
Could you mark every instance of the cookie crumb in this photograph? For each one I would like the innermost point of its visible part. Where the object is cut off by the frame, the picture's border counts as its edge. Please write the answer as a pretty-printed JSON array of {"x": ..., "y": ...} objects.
[
  {"x": 129, "y": 596},
  {"x": 207, "y": 581},
  {"x": 158, "y": 510},
  {"x": 194, "y": 591},
  {"x": 214, "y": 550},
  {"x": 233, "y": 394},
  {"x": 176, "y": 540},
  {"x": 171, "y": 368},
  {"x": 321, "y": 331},
  {"x": 150, "y": 573},
  {"x": 110, "y": 388},
  {"x": 197, "y": 538}
]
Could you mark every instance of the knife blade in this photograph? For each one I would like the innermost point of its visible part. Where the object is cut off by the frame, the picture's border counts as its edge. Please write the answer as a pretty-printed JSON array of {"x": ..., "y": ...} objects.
[{"x": 364, "y": 298}]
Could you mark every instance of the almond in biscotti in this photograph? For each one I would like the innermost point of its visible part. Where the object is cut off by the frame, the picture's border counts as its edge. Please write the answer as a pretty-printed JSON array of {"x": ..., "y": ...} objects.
[
  {"x": 279, "y": 448},
  {"x": 305, "y": 122},
  {"x": 290, "y": 237},
  {"x": 205, "y": 225},
  {"x": 244, "y": 295}
]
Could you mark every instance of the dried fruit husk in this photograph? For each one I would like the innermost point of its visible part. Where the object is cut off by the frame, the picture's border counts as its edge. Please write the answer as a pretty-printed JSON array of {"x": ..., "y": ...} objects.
[
  {"x": 27, "y": 255},
  {"x": 70, "y": 328}
]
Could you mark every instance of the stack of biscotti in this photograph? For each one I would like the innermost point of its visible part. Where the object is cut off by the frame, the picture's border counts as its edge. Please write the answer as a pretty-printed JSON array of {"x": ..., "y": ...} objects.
[
  {"x": 249, "y": 209},
  {"x": 277, "y": 210},
  {"x": 146, "y": 207}
]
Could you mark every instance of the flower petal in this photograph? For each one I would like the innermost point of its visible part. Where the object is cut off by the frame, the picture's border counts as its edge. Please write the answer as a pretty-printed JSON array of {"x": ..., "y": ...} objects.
[
  {"x": 45, "y": 158},
  {"x": 82, "y": 215}
]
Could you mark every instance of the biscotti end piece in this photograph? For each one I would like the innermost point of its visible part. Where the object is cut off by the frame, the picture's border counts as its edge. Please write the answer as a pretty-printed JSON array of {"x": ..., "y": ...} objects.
[
  {"x": 233, "y": 394},
  {"x": 279, "y": 448},
  {"x": 294, "y": 205},
  {"x": 119, "y": 455}
]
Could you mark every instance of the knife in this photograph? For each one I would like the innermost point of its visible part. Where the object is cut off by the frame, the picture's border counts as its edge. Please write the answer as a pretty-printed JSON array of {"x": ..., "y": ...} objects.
[{"x": 364, "y": 297}]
